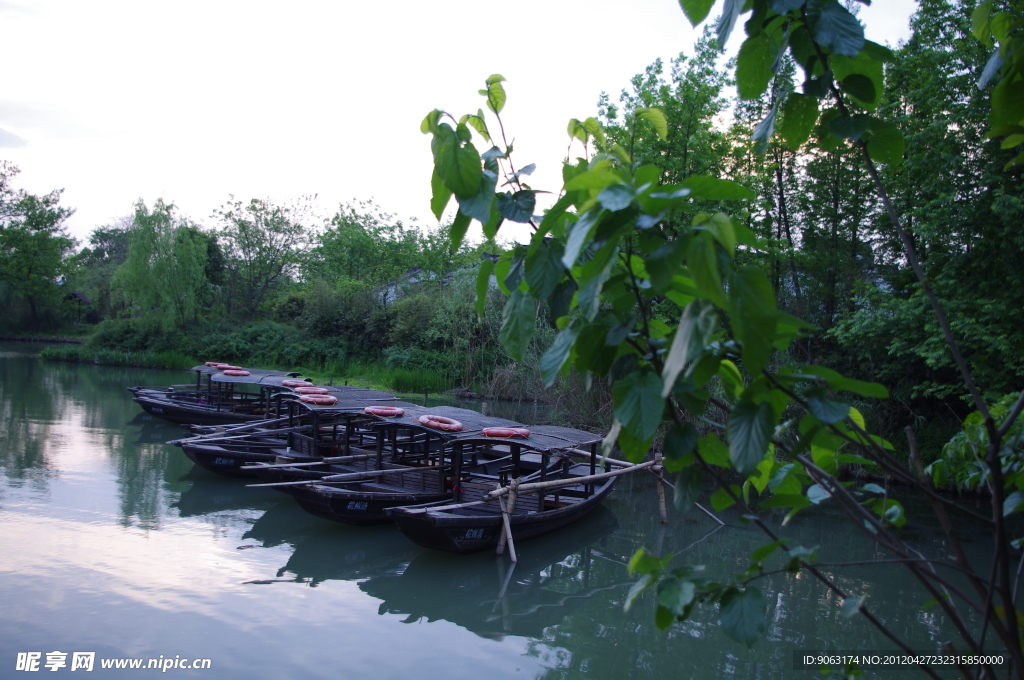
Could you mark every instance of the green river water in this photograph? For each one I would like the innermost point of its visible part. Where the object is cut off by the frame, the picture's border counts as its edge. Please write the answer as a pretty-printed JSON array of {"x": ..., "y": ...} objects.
[{"x": 114, "y": 543}]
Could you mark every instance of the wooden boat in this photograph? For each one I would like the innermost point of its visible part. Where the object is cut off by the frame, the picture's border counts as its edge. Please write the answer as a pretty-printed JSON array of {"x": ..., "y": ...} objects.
[
  {"x": 310, "y": 431},
  {"x": 469, "y": 523},
  {"x": 216, "y": 399},
  {"x": 412, "y": 463},
  {"x": 363, "y": 491}
]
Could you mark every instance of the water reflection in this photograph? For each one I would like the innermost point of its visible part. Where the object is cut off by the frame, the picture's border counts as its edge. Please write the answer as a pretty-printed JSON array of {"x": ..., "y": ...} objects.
[
  {"x": 101, "y": 511},
  {"x": 493, "y": 597}
]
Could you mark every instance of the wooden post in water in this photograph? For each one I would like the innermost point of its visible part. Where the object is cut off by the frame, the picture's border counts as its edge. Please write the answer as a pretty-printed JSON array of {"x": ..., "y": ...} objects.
[
  {"x": 507, "y": 508},
  {"x": 659, "y": 469}
]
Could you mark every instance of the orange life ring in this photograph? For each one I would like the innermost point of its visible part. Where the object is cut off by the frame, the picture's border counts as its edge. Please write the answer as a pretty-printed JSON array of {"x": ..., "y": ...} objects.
[
  {"x": 295, "y": 383},
  {"x": 441, "y": 423},
  {"x": 309, "y": 389},
  {"x": 384, "y": 411},
  {"x": 319, "y": 399},
  {"x": 213, "y": 363},
  {"x": 506, "y": 432},
  {"x": 229, "y": 367},
  {"x": 237, "y": 372}
]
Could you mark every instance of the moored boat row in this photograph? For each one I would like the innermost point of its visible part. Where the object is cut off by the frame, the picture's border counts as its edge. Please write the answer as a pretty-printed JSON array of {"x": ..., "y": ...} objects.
[{"x": 452, "y": 479}]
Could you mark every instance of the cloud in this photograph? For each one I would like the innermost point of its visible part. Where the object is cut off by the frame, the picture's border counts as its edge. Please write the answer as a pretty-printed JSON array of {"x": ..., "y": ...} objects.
[
  {"x": 9, "y": 140},
  {"x": 7, "y": 6}
]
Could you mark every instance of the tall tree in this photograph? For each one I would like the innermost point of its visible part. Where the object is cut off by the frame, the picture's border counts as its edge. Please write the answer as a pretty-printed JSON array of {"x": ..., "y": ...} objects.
[
  {"x": 34, "y": 245},
  {"x": 164, "y": 275},
  {"x": 265, "y": 244}
]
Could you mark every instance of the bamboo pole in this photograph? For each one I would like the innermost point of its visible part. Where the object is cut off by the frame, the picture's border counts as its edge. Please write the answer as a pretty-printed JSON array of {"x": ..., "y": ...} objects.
[
  {"x": 698, "y": 505},
  {"x": 507, "y": 508},
  {"x": 571, "y": 481},
  {"x": 657, "y": 469},
  {"x": 445, "y": 508},
  {"x": 505, "y": 525},
  {"x": 611, "y": 461}
]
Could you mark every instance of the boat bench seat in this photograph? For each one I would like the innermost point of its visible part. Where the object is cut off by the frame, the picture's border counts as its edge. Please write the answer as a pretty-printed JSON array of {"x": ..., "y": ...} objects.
[
  {"x": 426, "y": 480},
  {"x": 472, "y": 491}
]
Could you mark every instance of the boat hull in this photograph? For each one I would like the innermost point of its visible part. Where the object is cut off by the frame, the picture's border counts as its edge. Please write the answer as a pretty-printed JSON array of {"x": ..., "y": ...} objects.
[
  {"x": 190, "y": 414},
  {"x": 226, "y": 461},
  {"x": 356, "y": 505},
  {"x": 474, "y": 531}
]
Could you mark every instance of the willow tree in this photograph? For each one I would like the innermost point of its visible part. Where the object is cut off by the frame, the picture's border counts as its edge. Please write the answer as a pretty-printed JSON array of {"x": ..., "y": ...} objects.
[{"x": 163, "y": 280}]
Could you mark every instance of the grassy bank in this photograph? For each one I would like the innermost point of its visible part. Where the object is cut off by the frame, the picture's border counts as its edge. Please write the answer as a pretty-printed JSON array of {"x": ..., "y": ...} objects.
[{"x": 169, "y": 359}]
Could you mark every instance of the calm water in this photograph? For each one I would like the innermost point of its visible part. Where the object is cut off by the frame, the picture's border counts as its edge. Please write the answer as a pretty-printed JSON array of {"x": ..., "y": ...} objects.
[{"x": 114, "y": 543}]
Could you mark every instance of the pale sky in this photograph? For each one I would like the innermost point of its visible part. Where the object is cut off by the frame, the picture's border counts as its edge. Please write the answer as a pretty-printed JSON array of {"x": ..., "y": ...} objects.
[{"x": 116, "y": 100}]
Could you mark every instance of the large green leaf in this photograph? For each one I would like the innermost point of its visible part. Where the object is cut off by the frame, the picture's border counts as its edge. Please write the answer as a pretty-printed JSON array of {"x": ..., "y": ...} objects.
[
  {"x": 598, "y": 177},
  {"x": 517, "y": 207},
  {"x": 742, "y": 614},
  {"x": 479, "y": 207},
  {"x": 885, "y": 142},
  {"x": 859, "y": 87},
  {"x": 638, "y": 402},
  {"x": 554, "y": 358},
  {"x": 694, "y": 330},
  {"x": 664, "y": 263},
  {"x": 576, "y": 130},
  {"x": 593, "y": 279},
  {"x": 579, "y": 235},
  {"x": 799, "y": 114},
  {"x": 714, "y": 451},
  {"x": 679, "y": 442},
  {"x": 495, "y": 93},
  {"x": 750, "y": 430},
  {"x": 615, "y": 197},
  {"x": 753, "y": 315},
  {"x": 764, "y": 130},
  {"x": 825, "y": 408},
  {"x": 865, "y": 94},
  {"x": 834, "y": 27},
  {"x": 544, "y": 269},
  {"x": 754, "y": 66},
  {"x": 715, "y": 189},
  {"x": 456, "y": 164},
  {"x": 730, "y": 13},
  {"x": 517, "y": 323},
  {"x": 483, "y": 284},
  {"x": 850, "y": 127},
  {"x": 458, "y": 231},
  {"x": 439, "y": 195},
  {"x": 656, "y": 118},
  {"x": 517, "y": 268},
  {"x": 703, "y": 264},
  {"x": 1007, "y": 103},
  {"x": 696, "y": 10},
  {"x": 688, "y": 484}
]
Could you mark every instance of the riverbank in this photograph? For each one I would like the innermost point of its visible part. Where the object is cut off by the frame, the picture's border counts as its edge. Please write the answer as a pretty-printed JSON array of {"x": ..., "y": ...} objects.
[{"x": 42, "y": 339}]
